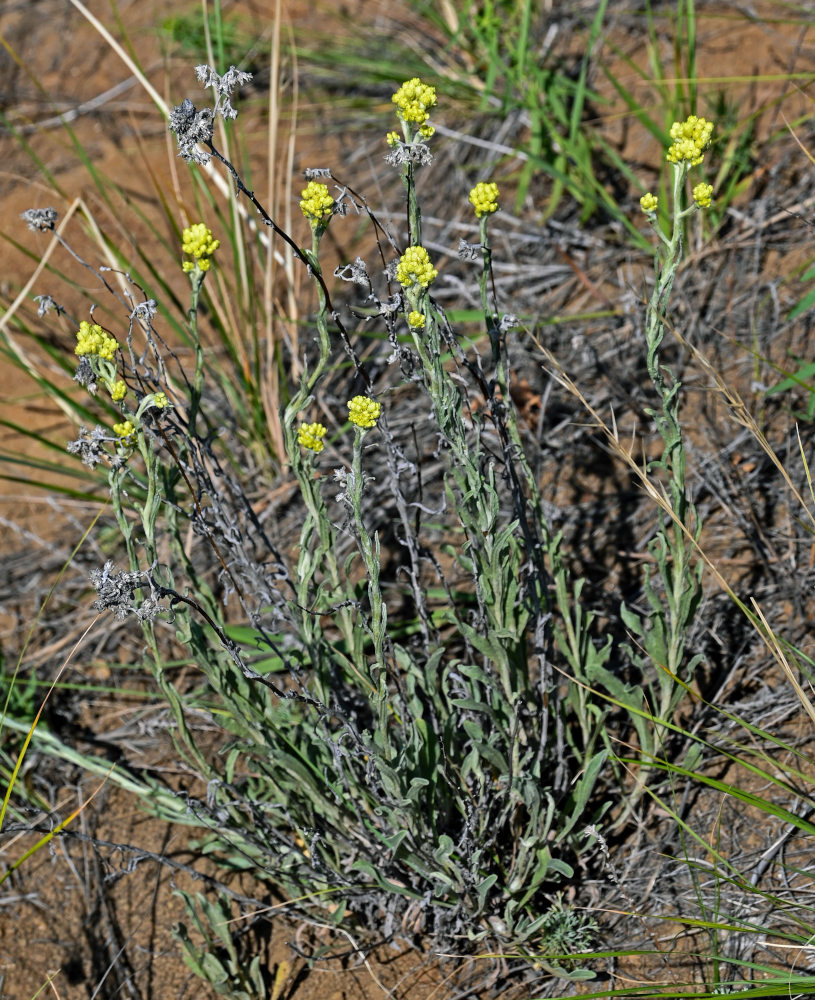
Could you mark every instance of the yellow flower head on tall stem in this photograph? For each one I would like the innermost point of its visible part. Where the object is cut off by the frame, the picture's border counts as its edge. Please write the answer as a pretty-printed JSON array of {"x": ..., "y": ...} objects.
[
  {"x": 91, "y": 339},
  {"x": 690, "y": 140},
  {"x": 415, "y": 268},
  {"x": 316, "y": 203},
  {"x": 197, "y": 241},
  {"x": 414, "y": 100},
  {"x": 364, "y": 411},
  {"x": 484, "y": 198}
]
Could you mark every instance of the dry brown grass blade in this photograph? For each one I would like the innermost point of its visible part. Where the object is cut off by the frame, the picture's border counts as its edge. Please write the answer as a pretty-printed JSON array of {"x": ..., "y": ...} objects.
[
  {"x": 783, "y": 662},
  {"x": 279, "y": 196},
  {"x": 798, "y": 142},
  {"x": 217, "y": 178},
  {"x": 744, "y": 418}
]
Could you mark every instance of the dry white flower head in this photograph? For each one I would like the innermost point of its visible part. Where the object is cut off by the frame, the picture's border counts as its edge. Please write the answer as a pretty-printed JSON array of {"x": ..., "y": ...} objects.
[
  {"x": 416, "y": 152},
  {"x": 469, "y": 251},
  {"x": 223, "y": 85},
  {"x": 192, "y": 127},
  {"x": 356, "y": 272},
  {"x": 40, "y": 219}
]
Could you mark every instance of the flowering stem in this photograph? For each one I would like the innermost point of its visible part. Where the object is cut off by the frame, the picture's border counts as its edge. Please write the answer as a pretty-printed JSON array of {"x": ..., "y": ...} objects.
[
  {"x": 506, "y": 421},
  {"x": 317, "y": 551},
  {"x": 484, "y": 279},
  {"x": 302, "y": 255},
  {"x": 322, "y": 315},
  {"x": 674, "y": 543},
  {"x": 666, "y": 265},
  {"x": 414, "y": 214},
  {"x": 476, "y": 506},
  {"x": 198, "y": 375},
  {"x": 371, "y": 558},
  {"x": 539, "y": 541}
]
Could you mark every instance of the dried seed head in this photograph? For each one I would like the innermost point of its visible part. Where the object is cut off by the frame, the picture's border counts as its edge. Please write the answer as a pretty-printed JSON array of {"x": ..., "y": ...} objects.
[
  {"x": 223, "y": 85},
  {"x": 40, "y": 219},
  {"x": 191, "y": 127},
  {"x": 90, "y": 446}
]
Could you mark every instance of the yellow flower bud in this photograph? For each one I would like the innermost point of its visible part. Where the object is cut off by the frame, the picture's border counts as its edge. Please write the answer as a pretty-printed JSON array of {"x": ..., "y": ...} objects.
[
  {"x": 197, "y": 241},
  {"x": 649, "y": 203},
  {"x": 124, "y": 430},
  {"x": 311, "y": 436},
  {"x": 702, "y": 195}
]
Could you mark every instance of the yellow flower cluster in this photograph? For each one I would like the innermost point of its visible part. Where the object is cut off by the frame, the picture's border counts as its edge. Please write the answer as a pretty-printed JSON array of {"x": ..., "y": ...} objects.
[
  {"x": 124, "y": 430},
  {"x": 311, "y": 436},
  {"x": 92, "y": 339},
  {"x": 197, "y": 241},
  {"x": 690, "y": 140},
  {"x": 118, "y": 392},
  {"x": 413, "y": 101},
  {"x": 363, "y": 411},
  {"x": 392, "y": 139},
  {"x": 702, "y": 194},
  {"x": 414, "y": 268},
  {"x": 649, "y": 203},
  {"x": 416, "y": 320},
  {"x": 316, "y": 203},
  {"x": 159, "y": 400},
  {"x": 484, "y": 198}
]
